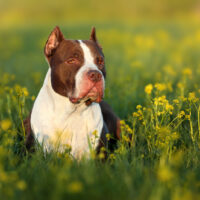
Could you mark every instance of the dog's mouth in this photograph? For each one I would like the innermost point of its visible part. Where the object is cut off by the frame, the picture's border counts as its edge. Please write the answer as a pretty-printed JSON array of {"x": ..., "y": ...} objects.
[{"x": 94, "y": 94}]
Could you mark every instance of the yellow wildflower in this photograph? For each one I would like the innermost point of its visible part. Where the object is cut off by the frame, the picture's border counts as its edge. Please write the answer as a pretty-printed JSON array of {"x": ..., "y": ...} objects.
[
  {"x": 21, "y": 185},
  {"x": 181, "y": 114},
  {"x": 138, "y": 107},
  {"x": 135, "y": 114},
  {"x": 192, "y": 97},
  {"x": 165, "y": 174},
  {"x": 156, "y": 101},
  {"x": 5, "y": 124},
  {"x": 95, "y": 133},
  {"x": 33, "y": 98},
  {"x": 176, "y": 101},
  {"x": 148, "y": 88},
  {"x": 101, "y": 155},
  {"x": 103, "y": 149},
  {"x": 187, "y": 117},
  {"x": 75, "y": 187},
  {"x": 174, "y": 136},
  {"x": 169, "y": 70},
  {"x": 122, "y": 122},
  {"x": 112, "y": 156},
  {"x": 169, "y": 107},
  {"x": 108, "y": 136},
  {"x": 25, "y": 92},
  {"x": 18, "y": 89},
  {"x": 160, "y": 86},
  {"x": 125, "y": 138},
  {"x": 187, "y": 72},
  {"x": 129, "y": 130}
]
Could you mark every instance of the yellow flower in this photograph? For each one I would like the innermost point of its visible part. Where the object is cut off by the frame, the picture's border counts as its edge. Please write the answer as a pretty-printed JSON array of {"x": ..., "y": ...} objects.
[
  {"x": 21, "y": 185},
  {"x": 187, "y": 117},
  {"x": 180, "y": 85},
  {"x": 5, "y": 124},
  {"x": 135, "y": 114},
  {"x": 108, "y": 136},
  {"x": 18, "y": 89},
  {"x": 174, "y": 136},
  {"x": 103, "y": 149},
  {"x": 181, "y": 114},
  {"x": 169, "y": 70},
  {"x": 187, "y": 72},
  {"x": 112, "y": 156},
  {"x": 192, "y": 97},
  {"x": 165, "y": 174},
  {"x": 156, "y": 101},
  {"x": 95, "y": 133},
  {"x": 122, "y": 122},
  {"x": 169, "y": 107},
  {"x": 160, "y": 86},
  {"x": 138, "y": 107},
  {"x": 148, "y": 88},
  {"x": 125, "y": 138},
  {"x": 176, "y": 101},
  {"x": 75, "y": 187},
  {"x": 33, "y": 98},
  {"x": 101, "y": 155},
  {"x": 25, "y": 92}
]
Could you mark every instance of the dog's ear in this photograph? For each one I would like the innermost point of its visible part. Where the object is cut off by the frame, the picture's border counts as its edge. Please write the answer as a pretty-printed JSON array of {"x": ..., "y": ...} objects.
[
  {"x": 53, "y": 41},
  {"x": 93, "y": 37},
  {"x": 93, "y": 34}
]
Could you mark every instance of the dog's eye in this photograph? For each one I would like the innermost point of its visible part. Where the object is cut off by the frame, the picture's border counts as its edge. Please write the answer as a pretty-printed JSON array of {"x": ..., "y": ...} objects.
[
  {"x": 100, "y": 61},
  {"x": 71, "y": 61}
]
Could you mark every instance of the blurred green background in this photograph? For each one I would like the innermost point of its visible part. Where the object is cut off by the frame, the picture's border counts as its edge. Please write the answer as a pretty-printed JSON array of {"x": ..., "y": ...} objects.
[{"x": 27, "y": 13}]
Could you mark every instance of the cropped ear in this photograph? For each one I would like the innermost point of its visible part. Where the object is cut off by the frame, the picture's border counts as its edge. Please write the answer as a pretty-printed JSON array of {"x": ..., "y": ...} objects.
[
  {"x": 93, "y": 34},
  {"x": 53, "y": 41},
  {"x": 93, "y": 37}
]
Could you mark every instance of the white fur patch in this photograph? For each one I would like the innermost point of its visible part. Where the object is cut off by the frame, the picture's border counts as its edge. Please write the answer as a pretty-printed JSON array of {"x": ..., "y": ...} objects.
[{"x": 55, "y": 119}]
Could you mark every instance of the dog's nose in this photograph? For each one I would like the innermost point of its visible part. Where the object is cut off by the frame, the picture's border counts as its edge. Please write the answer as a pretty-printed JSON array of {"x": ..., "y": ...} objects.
[{"x": 94, "y": 75}]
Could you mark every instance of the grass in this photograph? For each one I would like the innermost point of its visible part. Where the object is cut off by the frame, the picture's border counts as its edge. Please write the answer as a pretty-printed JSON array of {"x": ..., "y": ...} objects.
[{"x": 153, "y": 85}]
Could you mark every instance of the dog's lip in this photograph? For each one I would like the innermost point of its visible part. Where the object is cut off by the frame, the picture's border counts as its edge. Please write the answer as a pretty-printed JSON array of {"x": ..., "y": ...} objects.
[
  {"x": 87, "y": 97},
  {"x": 78, "y": 100}
]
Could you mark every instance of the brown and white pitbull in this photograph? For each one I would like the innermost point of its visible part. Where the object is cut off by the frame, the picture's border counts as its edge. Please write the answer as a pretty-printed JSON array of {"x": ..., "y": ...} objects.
[{"x": 69, "y": 107}]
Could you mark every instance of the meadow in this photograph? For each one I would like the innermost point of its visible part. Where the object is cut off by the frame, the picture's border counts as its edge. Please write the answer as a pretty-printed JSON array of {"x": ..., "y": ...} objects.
[{"x": 153, "y": 84}]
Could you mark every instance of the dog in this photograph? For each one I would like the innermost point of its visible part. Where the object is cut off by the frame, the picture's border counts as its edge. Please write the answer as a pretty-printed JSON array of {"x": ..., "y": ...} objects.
[{"x": 69, "y": 107}]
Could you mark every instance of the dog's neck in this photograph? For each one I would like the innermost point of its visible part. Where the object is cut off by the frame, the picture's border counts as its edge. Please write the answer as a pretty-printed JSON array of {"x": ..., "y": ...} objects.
[
  {"x": 55, "y": 113},
  {"x": 58, "y": 103}
]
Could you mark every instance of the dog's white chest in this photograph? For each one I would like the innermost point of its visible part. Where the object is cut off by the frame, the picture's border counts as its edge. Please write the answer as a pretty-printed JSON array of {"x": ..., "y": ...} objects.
[{"x": 56, "y": 123}]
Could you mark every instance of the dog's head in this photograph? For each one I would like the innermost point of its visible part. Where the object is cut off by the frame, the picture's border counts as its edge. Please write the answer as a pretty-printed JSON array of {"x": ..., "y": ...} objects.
[{"x": 77, "y": 67}]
